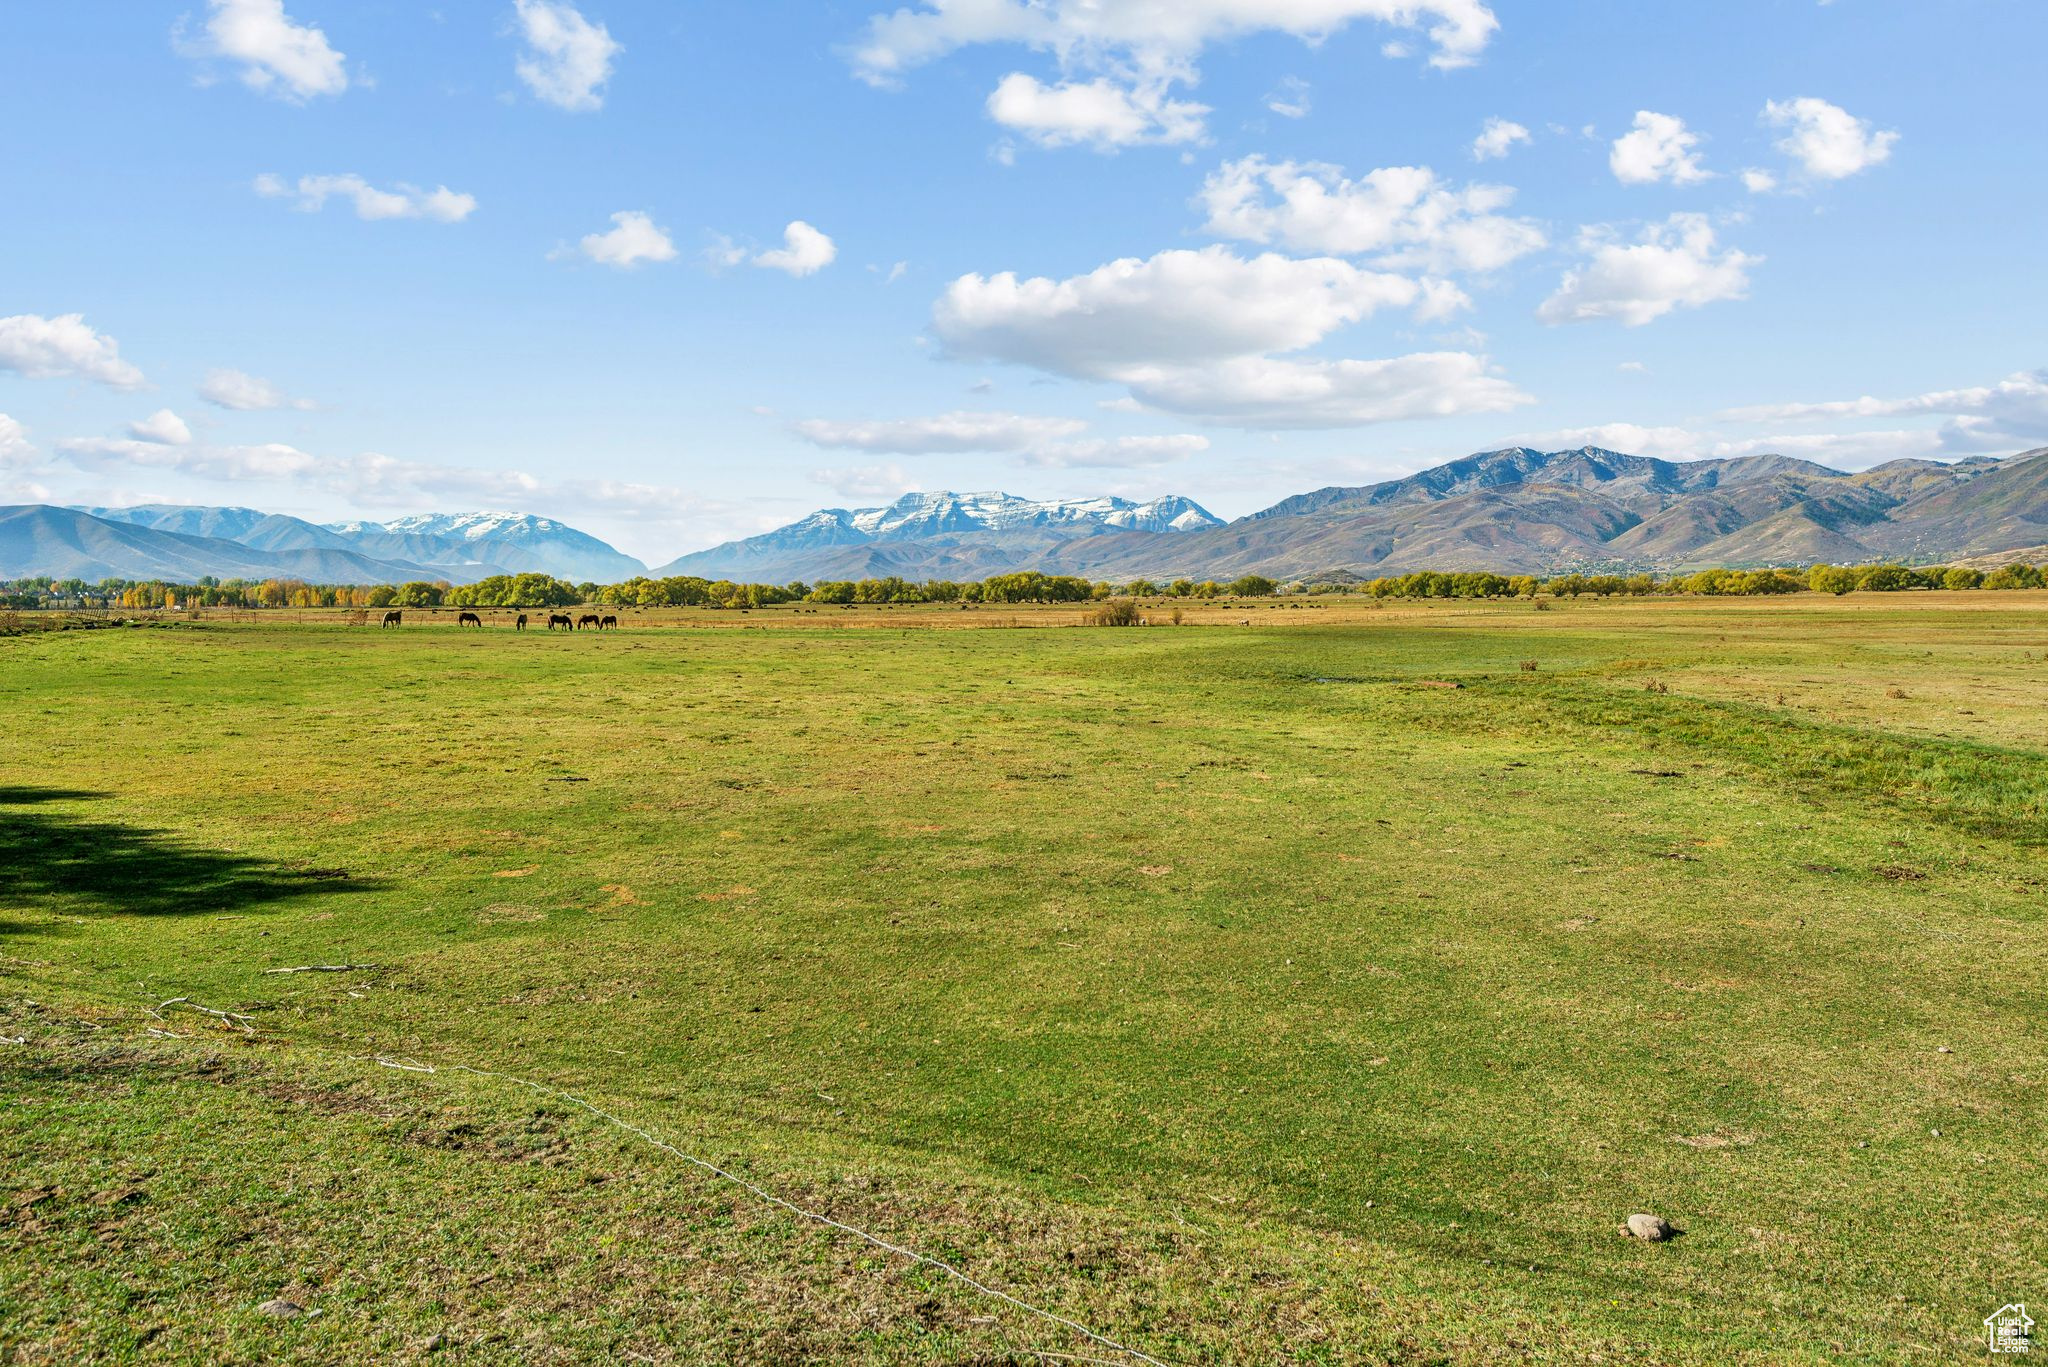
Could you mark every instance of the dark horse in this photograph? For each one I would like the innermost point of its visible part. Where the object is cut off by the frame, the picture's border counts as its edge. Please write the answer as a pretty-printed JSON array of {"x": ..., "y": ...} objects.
[
  {"x": 394, "y": 619},
  {"x": 608, "y": 624},
  {"x": 520, "y": 625},
  {"x": 469, "y": 619},
  {"x": 587, "y": 622},
  {"x": 562, "y": 620}
]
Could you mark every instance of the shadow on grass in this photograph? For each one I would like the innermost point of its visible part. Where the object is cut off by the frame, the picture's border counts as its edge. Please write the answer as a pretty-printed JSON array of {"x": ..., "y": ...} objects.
[{"x": 66, "y": 862}]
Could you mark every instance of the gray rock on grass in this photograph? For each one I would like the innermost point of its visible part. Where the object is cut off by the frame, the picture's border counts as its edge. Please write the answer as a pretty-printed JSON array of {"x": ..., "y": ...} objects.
[{"x": 1652, "y": 1229}]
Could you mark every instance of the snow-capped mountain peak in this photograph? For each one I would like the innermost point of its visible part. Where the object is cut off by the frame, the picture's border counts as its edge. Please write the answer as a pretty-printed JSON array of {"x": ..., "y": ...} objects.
[
  {"x": 478, "y": 526},
  {"x": 523, "y": 541},
  {"x": 946, "y": 530},
  {"x": 918, "y": 515}
]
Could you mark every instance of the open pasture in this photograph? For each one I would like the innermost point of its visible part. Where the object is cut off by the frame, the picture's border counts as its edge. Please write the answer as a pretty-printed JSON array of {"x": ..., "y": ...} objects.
[{"x": 1230, "y": 989}]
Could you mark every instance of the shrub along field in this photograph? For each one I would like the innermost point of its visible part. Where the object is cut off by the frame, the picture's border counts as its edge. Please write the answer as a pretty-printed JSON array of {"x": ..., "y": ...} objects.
[{"x": 1240, "y": 992}]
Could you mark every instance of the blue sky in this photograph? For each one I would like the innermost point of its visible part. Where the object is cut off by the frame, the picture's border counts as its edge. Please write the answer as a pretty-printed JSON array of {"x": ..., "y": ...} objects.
[{"x": 364, "y": 257}]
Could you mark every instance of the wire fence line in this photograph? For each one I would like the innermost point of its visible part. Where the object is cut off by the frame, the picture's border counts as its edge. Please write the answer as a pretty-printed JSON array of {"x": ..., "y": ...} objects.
[
  {"x": 818, "y": 1217},
  {"x": 235, "y": 1021}
]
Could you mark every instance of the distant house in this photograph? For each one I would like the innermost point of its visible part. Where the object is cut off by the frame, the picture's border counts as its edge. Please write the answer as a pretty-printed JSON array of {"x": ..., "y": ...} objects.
[{"x": 2010, "y": 1331}]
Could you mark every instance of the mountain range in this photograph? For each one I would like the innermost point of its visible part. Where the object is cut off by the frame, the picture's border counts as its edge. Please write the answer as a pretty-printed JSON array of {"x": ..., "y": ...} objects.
[
  {"x": 939, "y": 536},
  {"x": 176, "y": 542},
  {"x": 519, "y": 542},
  {"x": 1525, "y": 511},
  {"x": 1517, "y": 510}
]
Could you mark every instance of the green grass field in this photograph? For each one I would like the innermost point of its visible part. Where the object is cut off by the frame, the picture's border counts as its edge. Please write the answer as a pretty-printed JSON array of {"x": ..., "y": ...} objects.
[{"x": 1227, "y": 989}]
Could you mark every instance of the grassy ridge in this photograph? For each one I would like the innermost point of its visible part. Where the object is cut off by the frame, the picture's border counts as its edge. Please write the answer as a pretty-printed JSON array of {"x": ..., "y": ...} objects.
[
  {"x": 1988, "y": 790},
  {"x": 1402, "y": 996}
]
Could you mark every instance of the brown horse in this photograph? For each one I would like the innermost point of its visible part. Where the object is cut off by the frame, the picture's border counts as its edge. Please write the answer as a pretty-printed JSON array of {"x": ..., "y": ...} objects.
[
  {"x": 470, "y": 619},
  {"x": 562, "y": 620},
  {"x": 394, "y": 619},
  {"x": 587, "y": 622},
  {"x": 520, "y": 625},
  {"x": 608, "y": 624}
]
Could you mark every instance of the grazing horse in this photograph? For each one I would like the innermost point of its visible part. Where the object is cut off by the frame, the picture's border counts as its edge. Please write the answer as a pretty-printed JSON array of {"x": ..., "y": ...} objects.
[
  {"x": 562, "y": 620},
  {"x": 394, "y": 619},
  {"x": 520, "y": 625},
  {"x": 608, "y": 624},
  {"x": 470, "y": 619},
  {"x": 587, "y": 622}
]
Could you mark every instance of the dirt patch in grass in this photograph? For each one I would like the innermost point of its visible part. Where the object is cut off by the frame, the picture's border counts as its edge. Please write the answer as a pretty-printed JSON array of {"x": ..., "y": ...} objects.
[
  {"x": 505, "y": 913},
  {"x": 1717, "y": 1139}
]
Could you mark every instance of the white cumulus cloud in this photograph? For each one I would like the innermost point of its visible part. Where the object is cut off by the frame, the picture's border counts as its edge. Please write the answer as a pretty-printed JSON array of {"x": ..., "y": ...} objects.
[
  {"x": 1497, "y": 139},
  {"x": 567, "y": 59},
  {"x": 1040, "y": 441},
  {"x": 865, "y": 482},
  {"x": 1177, "y": 306},
  {"x": 1116, "y": 453},
  {"x": 1277, "y": 393},
  {"x": 440, "y": 204},
  {"x": 52, "y": 348},
  {"x": 1440, "y": 300},
  {"x": 245, "y": 393},
  {"x": 1660, "y": 149},
  {"x": 804, "y": 251},
  {"x": 2010, "y": 413},
  {"x": 163, "y": 427},
  {"x": 15, "y": 448},
  {"x": 1839, "y": 450},
  {"x": 1633, "y": 439},
  {"x": 277, "y": 55},
  {"x": 1827, "y": 141},
  {"x": 947, "y": 433},
  {"x": 1675, "y": 264},
  {"x": 265, "y": 461},
  {"x": 2008, "y": 416},
  {"x": 1291, "y": 99},
  {"x": 1404, "y": 215},
  {"x": 1101, "y": 113},
  {"x": 1143, "y": 46},
  {"x": 1204, "y": 333},
  {"x": 633, "y": 239},
  {"x": 1149, "y": 33}
]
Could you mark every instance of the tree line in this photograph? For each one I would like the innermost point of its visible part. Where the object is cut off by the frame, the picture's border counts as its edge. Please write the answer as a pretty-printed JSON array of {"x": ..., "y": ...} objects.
[
  {"x": 1714, "y": 583},
  {"x": 513, "y": 591},
  {"x": 46, "y": 592}
]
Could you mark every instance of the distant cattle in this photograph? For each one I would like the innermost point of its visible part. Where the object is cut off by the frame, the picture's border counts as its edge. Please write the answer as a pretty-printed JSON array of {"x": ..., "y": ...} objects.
[
  {"x": 562, "y": 620},
  {"x": 608, "y": 624},
  {"x": 394, "y": 619},
  {"x": 469, "y": 619},
  {"x": 587, "y": 622},
  {"x": 520, "y": 625}
]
